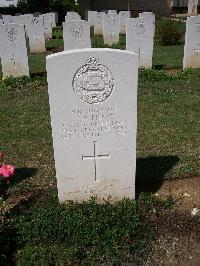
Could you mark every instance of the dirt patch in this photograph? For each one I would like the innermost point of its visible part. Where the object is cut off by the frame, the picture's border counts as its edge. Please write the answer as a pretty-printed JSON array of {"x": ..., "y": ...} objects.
[
  {"x": 57, "y": 49},
  {"x": 177, "y": 240}
]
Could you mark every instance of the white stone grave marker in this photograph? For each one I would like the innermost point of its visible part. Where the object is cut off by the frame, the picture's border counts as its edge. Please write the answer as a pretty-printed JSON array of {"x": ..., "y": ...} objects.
[
  {"x": 7, "y": 19},
  {"x": 76, "y": 34},
  {"x": 139, "y": 39},
  {"x": 192, "y": 7},
  {"x": 192, "y": 43},
  {"x": 35, "y": 31},
  {"x": 91, "y": 17},
  {"x": 93, "y": 105},
  {"x": 123, "y": 17},
  {"x": 111, "y": 11},
  {"x": 98, "y": 22},
  {"x": 72, "y": 16},
  {"x": 14, "y": 58},
  {"x": 47, "y": 24},
  {"x": 111, "y": 28},
  {"x": 150, "y": 16}
]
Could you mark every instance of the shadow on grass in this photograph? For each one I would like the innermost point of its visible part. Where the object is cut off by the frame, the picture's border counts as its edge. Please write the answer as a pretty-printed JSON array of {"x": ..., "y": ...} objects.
[
  {"x": 20, "y": 175},
  {"x": 151, "y": 171}
]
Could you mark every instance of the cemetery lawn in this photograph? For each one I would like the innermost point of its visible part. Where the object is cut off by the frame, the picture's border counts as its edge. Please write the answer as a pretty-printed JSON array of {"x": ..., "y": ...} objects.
[{"x": 36, "y": 230}]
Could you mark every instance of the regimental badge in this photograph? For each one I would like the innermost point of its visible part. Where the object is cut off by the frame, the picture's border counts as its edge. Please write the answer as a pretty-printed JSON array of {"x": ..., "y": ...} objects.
[{"x": 93, "y": 82}]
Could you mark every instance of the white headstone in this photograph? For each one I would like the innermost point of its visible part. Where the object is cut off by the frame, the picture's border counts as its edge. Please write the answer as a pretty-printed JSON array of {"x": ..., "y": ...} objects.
[
  {"x": 14, "y": 58},
  {"x": 123, "y": 16},
  {"x": 7, "y": 19},
  {"x": 192, "y": 7},
  {"x": 35, "y": 31},
  {"x": 53, "y": 19},
  {"x": 91, "y": 17},
  {"x": 98, "y": 22},
  {"x": 76, "y": 35},
  {"x": 149, "y": 15},
  {"x": 139, "y": 39},
  {"x": 112, "y": 11},
  {"x": 72, "y": 16},
  {"x": 1, "y": 21},
  {"x": 192, "y": 43},
  {"x": 94, "y": 119},
  {"x": 111, "y": 28},
  {"x": 47, "y": 24}
]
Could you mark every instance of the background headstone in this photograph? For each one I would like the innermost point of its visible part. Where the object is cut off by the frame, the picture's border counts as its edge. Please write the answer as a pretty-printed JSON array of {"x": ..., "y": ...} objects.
[
  {"x": 111, "y": 28},
  {"x": 112, "y": 11},
  {"x": 35, "y": 31},
  {"x": 14, "y": 58},
  {"x": 98, "y": 22},
  {"x": 192, "y": 43},
  {"x": 76, "y": 34},
  {"x": 94, "y": 118},
  {"x": 139, "y": 39},
  {"x": 192, "y": 7},
  {"x": 52, "y": 17},
  {"x": 7, "y": 19},
  {"x": 149, "y": 15},
  {"x": 123, "y": 16},
  {"x": 72, "y": 16},
  {"x": 47, "y": 24},
  {"x": 91, "y": 17}
]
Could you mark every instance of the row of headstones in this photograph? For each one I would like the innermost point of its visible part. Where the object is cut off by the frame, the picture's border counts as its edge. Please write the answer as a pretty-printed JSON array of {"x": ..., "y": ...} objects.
[
  {"x": 139, "y": 38},
  {"x": 139, "y": 34},
  {"x": 93, "y": 106},
  {"x": 13, "y": 33}
]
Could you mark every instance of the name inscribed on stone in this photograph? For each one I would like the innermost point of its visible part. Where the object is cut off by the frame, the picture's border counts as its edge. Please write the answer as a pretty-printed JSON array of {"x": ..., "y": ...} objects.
[{"x": 93, "y": 122}]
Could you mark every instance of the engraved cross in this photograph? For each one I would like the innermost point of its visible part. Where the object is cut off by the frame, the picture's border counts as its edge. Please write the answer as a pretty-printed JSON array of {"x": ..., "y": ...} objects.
[
  {"x": 13, "y": 60},
  {"x": 140, "y": 52},
  {"x": 96, "y": 157}
]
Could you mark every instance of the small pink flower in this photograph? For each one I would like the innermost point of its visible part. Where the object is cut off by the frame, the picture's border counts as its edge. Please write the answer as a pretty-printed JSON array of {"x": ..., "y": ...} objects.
[
  {"x": 1, "y": 156},
  {"x": 7, "y": 170}
]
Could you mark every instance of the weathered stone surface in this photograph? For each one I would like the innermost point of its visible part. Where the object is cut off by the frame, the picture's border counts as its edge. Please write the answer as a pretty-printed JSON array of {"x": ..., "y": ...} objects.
[
  {"x": 112, "y": 11},
  {"x": 76, "y": 34},
  {"x": 72, "y": 16},
  {"x": 91, "y": 17},
  {"x": 192, "y": 43},
  {"x": 139, "y": 39},
  {"x": 123, "y": 17},
  {"x": 93, "y": 105},
  {"x": 47, "y": 25},
  {"x": 192, "y": 7},
  {"x": 14, "y": 58},
  {"x": 98, "y": 22},
  {"x": 36, "y": 37},
  {"x": 150, "y": 16},
  {"x": 111, "y": 28}
]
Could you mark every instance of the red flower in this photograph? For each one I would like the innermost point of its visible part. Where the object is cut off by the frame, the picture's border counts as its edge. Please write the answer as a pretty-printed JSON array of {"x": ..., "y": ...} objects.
[{"x": 7, "y": 171}]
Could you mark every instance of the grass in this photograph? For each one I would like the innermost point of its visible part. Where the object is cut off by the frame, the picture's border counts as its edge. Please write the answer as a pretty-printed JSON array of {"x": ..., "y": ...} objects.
[
  {"x": 34, "y": 228},
  {"x": 43, "y": 231}
]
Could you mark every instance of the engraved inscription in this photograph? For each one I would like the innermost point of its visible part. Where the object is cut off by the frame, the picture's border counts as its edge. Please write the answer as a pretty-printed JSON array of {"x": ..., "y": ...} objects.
[
  {"x": 34, "y": 22},
  {"x": 11, "y": 34},
  {"x": 96, "y": 157},
  {"x": 93, "y": 82},
  {"x": 140, "y": 28},
  {"x": 197, "y": 26},
  {"x": 76, "y": 30},
  {"x": 93, "y": 123},
  {"x": 111, "y": 19}
]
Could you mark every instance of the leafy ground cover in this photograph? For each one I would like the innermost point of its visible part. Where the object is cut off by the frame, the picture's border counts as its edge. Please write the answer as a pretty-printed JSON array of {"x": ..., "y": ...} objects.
[{"x": 36, "y": 230}]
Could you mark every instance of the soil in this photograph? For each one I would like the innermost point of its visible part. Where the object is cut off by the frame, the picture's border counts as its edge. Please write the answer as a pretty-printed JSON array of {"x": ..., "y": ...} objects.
[{"x": 178, "y": 232}]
